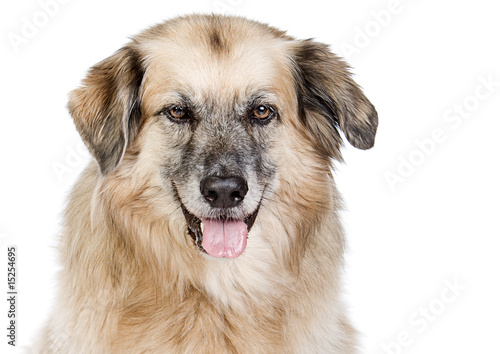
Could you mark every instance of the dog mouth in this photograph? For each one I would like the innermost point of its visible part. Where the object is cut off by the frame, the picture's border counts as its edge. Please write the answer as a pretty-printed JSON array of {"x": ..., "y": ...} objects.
[{"x": 220, "y": 237}]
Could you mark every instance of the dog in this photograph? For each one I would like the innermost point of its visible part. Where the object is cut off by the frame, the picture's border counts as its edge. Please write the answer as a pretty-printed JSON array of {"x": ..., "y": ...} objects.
[{"x": 207, "y": 221}]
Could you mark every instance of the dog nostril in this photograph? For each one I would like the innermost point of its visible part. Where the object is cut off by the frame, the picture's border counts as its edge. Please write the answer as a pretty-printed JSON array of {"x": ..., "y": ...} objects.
[
  {"x": 223, "y": 192},
  {"x": 236, "y": 196},
  {"x": 211, "y": 196}
]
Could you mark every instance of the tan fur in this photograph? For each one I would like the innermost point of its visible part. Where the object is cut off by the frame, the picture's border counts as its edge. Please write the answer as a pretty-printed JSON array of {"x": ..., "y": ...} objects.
[{"x": 133, "y": 281}]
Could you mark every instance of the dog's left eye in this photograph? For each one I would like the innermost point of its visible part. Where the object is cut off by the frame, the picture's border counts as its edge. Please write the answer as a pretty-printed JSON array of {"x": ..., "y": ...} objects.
[{"x": 263, "y": 113}]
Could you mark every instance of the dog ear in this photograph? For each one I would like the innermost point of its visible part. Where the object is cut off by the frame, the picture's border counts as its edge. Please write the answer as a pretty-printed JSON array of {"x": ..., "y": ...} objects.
[
  {"x": 330, "y": 99},
  {"x": 106, "y": 108}
]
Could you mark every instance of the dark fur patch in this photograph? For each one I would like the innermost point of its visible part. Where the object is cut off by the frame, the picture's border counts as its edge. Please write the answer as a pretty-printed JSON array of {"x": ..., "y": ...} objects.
[
  {"x": 216, "y": 41},
  {"x": 329, "y": 100},
  {"x": 216, "y": 36},
  {"x": 99, "y": 108}
]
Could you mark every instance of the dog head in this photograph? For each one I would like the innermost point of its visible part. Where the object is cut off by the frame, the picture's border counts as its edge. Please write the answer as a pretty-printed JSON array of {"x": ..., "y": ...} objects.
[{"x": 213, "y": 107}]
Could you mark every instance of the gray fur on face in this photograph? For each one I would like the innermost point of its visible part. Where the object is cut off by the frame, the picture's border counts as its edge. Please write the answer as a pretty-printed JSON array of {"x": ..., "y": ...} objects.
[{"x": 221, "y": 140}]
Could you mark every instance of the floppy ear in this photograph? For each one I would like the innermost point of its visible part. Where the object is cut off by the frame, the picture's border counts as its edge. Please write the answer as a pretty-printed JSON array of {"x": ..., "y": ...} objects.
[
  {"x": 105, "y": 108},
  {"x": 330, "y": 99}
]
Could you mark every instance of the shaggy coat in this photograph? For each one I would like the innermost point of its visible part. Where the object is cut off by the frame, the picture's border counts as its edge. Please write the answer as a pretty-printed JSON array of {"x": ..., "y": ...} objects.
[{"x": 203, "y": 97}]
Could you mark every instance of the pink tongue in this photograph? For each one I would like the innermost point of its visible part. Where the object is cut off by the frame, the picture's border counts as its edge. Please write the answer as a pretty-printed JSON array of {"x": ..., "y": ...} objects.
[{"x": 224, "y": 238}]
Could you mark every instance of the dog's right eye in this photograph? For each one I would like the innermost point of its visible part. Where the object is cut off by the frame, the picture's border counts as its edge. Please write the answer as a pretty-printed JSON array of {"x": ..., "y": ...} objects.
[{"x": 177, "y": 114}]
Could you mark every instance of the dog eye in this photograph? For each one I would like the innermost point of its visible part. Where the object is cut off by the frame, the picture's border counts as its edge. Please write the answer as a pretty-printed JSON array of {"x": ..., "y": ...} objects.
[
  {"x": 263, "y": 114},
  {"x": 177, "y": 112}
]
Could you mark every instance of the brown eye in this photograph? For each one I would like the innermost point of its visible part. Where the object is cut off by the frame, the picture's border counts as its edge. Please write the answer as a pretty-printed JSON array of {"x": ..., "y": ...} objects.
[
  {"x": 177, "y": 112},
  {"x": 262, "y": 112}
]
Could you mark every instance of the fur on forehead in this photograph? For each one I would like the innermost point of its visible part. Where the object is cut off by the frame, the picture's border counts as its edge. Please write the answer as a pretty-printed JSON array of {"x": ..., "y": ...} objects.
[
  {"x": 220, "y": 61},
  {"x": 214, "y": 58}
]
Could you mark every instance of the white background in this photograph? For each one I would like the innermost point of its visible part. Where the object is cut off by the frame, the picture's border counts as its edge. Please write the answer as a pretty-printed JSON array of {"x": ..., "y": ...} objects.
[{"x": 420, "y": 215}]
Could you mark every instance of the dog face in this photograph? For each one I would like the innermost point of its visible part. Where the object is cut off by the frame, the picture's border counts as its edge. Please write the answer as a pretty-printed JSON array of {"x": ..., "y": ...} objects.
[{"x": 212, "y": 109}]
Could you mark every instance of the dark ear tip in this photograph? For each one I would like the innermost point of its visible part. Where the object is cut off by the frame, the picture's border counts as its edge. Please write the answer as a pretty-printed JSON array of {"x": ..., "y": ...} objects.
[
  {"x": 109, "y": 159},
  {"x": 366, "y": 146},
  {"x": 362, "y": 143},
  {"x": 362, "y": 136}
]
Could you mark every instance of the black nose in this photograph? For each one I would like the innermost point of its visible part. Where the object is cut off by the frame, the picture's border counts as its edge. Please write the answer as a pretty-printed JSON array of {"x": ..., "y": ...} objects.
[{"x": 223, "y": 192}]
